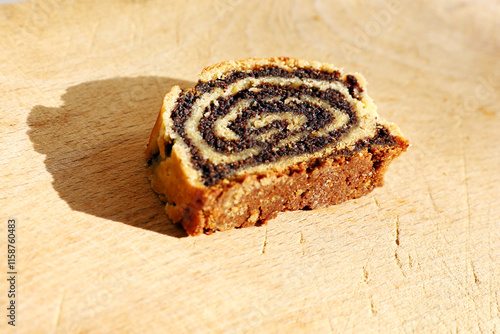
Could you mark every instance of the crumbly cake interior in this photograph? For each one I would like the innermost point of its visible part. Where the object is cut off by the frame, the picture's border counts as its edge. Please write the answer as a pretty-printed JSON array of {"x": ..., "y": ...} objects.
[{"x": 259, "y": 117}]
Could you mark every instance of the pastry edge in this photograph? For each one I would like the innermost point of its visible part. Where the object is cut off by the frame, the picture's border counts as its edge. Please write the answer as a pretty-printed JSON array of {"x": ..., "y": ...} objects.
[{"x": 254, "y": 199}]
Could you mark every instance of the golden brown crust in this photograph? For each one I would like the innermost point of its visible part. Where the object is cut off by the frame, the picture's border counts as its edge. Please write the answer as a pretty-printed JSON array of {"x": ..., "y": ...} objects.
[
  {"x": 254, "y": 195},
  {"x": 217, "y": 71},
  {"x": 152, "y": 147},
  {"x": 254, "y": 199},
  {"x": 156, "y": 139}
]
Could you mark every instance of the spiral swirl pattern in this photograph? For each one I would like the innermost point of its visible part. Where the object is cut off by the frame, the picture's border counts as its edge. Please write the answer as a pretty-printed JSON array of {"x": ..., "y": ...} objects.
[{"x": 262, "y": 118}]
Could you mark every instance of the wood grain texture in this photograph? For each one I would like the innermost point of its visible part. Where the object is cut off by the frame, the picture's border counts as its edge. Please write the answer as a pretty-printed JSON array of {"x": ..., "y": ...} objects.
[{"x": 81, "y": 83}]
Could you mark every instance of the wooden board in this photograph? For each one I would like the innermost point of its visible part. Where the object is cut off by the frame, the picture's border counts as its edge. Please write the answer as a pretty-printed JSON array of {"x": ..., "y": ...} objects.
[{"x": 81, "y": 83}]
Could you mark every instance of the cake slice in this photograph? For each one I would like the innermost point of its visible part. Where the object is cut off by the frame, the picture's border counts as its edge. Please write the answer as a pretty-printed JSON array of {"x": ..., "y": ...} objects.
[{"x": 259, "y": 136}]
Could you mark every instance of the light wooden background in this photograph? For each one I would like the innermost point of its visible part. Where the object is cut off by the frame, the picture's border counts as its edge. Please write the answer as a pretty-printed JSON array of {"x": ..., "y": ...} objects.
[{"x": 81, "y": 83}]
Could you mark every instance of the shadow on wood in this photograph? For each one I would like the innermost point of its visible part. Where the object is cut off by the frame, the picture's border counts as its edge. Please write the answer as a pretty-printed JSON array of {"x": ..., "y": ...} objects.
[{"x": 94, "y": 145}]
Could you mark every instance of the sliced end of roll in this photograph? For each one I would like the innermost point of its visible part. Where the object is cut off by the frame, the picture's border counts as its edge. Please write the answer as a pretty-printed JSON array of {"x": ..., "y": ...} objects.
[{"x": 250, "y": 125}]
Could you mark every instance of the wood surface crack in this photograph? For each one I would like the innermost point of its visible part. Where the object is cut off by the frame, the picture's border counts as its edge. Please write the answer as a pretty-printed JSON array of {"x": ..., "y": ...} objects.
[
  {"x": 376, "y": 202},
  {"x": 397, "y": 231},
  {"x": 301, "y": 241},
  {"x": 372, "y": 306},
  {"x": 476, "y": 279},
  {"x": 265, "y": 243},
  {"x": 410, "y": 261},
  {"x": 397, "y": 241},
  {"x": 365, "y": 275}
]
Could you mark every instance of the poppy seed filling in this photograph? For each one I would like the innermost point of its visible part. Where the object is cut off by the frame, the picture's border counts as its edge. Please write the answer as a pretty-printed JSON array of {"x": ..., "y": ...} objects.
[
  {"x": 266, "y": 98},
  {"x": 259, "y": 136}
]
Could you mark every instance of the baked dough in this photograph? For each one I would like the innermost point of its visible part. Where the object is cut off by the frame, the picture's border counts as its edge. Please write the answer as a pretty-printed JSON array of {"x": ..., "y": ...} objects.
[{"x": 258, "y": 136}]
